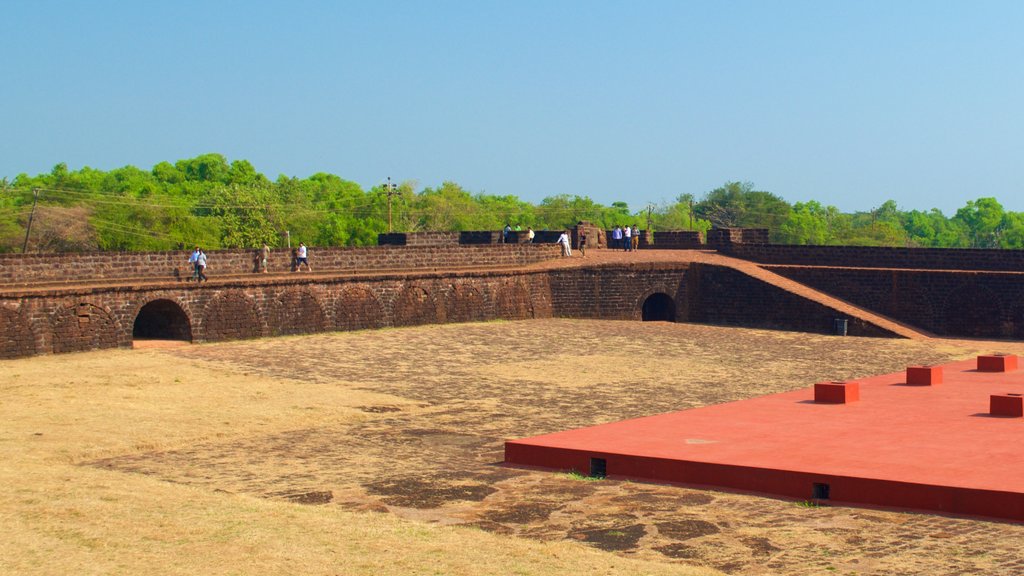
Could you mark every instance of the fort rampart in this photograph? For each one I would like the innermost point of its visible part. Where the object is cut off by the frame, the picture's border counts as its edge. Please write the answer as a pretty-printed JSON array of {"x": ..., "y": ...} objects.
[
  {"x": 73, "y": 302},
  {"x": 66, "y": 319},
  {"x": 36, "y": 268}
]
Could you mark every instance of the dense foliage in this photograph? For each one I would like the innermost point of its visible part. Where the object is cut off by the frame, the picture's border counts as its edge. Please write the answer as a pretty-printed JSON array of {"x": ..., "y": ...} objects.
[{"x": 210, "y": 201}]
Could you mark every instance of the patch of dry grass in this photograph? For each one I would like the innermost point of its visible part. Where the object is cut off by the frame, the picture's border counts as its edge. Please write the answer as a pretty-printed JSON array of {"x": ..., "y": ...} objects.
[{"x": 60, "y": 517}]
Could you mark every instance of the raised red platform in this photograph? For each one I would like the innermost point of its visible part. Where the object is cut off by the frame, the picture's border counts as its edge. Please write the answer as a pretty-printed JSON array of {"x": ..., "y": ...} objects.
[{"x": 932, "y": 448}]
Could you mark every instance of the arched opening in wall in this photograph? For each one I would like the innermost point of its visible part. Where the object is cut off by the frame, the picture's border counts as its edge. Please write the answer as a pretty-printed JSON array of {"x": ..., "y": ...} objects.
[
  {"x": 659, "y": 307},
  {"x": 162, "y": 320}
]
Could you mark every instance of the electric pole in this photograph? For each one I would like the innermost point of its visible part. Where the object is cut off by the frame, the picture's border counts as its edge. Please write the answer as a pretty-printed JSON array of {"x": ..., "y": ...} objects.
[
  {"x": 390, "y": 190},
  {"x": 31, "y": 214}
]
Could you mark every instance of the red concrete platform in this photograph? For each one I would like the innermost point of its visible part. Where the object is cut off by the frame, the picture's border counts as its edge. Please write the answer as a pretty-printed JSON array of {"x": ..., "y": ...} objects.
[{"x": 931, "y": 448}]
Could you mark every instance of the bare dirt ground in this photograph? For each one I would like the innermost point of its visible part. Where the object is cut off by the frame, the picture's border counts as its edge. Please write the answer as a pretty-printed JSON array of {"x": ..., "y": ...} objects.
[{"x": 426, "y": 411}]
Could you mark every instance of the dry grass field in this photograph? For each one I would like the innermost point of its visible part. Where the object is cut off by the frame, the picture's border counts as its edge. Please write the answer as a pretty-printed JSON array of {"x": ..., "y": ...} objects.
[{"x": 379, "y": 452}]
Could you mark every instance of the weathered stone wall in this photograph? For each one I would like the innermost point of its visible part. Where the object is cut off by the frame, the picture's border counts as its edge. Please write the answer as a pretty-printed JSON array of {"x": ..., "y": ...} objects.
[
  {"x": 614, "y": 292},
  {"x": 880, "y": 257},
  {"x": 720, "y": 295},
  {"x": 678, "y": 240},
  {"x": 36, "y": 268},
  {"x": 948, "y": 303},
  {"x": 68, "y": 320}
]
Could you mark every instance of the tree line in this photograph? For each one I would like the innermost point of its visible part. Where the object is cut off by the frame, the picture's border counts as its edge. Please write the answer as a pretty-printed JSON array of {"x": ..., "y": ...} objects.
[{"x": 210, "y": 201}]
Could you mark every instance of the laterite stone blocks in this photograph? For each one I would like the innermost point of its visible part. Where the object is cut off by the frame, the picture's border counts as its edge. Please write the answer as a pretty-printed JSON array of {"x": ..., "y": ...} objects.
[
  {"x": 924, "y": 375},
  {"x": 997, "y": 363},
  {"x": 836, "y": 392},
  {"x": 1010, "y": 405}
]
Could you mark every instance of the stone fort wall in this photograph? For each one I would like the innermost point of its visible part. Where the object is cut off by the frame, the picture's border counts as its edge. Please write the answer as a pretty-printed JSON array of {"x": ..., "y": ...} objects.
[
  {"x": 944, "y": 302},
  {"x": 920, "y": 287},
  {"x": 77, "y": 319},
  {"x": 35, "y": 268}
]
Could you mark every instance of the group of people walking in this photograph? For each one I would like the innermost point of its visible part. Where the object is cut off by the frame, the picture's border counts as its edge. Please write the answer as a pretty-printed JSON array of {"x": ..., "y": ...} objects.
[
  {"x": 300, "y": 257},
  {"x": 198, "y": 261}
]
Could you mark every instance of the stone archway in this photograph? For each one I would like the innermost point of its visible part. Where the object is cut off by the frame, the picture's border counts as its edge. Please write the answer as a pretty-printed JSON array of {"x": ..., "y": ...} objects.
[
  {"x": 659, "y": 307},
  {"x": 415, "y": 306},
  {"x": 465, "y": 304},
  {"x": 82, "y": 326},
  {"x": 162, "y": 320},
  {"x": 358, "y": 309},
  {"x": 16, "y": 336},
  {"x": 231, "y": 316}
]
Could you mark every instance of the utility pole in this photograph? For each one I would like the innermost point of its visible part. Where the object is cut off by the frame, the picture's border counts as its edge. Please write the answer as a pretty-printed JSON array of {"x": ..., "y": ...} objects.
[
  {"x": 650, "y": 208},
  {"x": 390, "y": 190},
  {"x": 691, "y": 214},
  {"x": 31, "y": 214}
]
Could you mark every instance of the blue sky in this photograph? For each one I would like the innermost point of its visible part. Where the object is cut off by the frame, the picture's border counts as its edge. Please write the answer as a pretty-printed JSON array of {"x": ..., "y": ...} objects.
[{"x": 847, "y": 102}]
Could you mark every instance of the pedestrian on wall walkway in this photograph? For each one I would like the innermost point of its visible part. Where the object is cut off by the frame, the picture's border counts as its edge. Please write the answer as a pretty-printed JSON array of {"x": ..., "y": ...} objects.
[
  {"x": 201, "y": 265},
  {"x": 264, "y": 258},
  {"x": 302, "y": 257},
  {"x": 193, "y": 262},
  {"x": 627, "y": 240},
  {"x": 563, "y": 239}
]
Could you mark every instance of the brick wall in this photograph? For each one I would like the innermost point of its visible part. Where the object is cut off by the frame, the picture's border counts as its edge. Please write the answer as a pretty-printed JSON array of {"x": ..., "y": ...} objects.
[
  {"x": 71, "y": 319},
  {"x": 881, "y": 257},
  {"x": 725, "y": 296},
  {"x": 36, "y": 268},
  {"x": 77, "y": 319},
  {"x": 678, "y": 240},
  {"x": 948, "y": 303},
  {"x": 614, "y": 292}
]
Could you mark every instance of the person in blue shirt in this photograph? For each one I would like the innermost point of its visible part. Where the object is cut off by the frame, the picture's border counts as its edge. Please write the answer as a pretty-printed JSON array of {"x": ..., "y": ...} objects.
[{"x": 194, "y": 261}]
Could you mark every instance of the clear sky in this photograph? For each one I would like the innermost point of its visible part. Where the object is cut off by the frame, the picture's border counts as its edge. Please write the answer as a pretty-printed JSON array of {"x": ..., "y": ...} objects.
[{"x": 847, "y": 102}]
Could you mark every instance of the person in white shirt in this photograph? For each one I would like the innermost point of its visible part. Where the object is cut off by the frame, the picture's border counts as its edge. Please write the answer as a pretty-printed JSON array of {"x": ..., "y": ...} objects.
[
  {"x": 302, "y": 257},
  {"x": 563, "y": 239},
  {"x": 201, "y": 266},
  {"x": 627, "y": 240}
]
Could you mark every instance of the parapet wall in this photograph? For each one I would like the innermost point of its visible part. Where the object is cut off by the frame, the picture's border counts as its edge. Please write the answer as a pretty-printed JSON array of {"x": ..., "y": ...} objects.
[
  {"x": 677, "y": 240},
  {"x": 35, "y": 268},
  {"x": 880, "y": 257}
]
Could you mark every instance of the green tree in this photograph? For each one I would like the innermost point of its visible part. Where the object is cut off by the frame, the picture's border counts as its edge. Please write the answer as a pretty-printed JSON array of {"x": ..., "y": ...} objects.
[
  {"x": 737, "y": 204},
  {"x": 984, "y": 219},
  {"x": 808, "y": 223}
]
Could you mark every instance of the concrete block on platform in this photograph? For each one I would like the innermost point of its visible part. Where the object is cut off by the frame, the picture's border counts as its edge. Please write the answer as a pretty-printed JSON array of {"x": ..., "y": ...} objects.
[
  {"x": 1006, "y": 405},
  {"x": 997, "y": 363},
  {"x": 924, "y": 375},
  {"x": 836, "y": 392}
]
